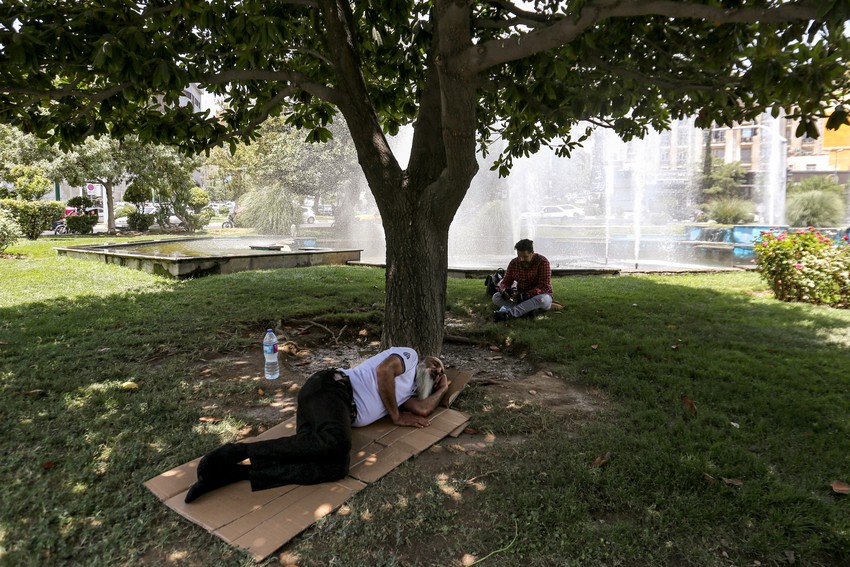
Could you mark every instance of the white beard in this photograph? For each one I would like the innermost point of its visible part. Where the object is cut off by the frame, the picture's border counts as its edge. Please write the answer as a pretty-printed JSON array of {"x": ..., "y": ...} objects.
[{"x": 423, "y": 381}]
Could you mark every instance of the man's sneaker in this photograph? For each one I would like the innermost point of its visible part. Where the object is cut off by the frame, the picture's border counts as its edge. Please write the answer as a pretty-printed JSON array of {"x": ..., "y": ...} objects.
[{"x": 499, "y": 316}]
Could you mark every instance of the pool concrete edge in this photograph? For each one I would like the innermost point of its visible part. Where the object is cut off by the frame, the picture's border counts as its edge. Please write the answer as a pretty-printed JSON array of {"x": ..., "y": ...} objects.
[{"x": 198, "y": 266}]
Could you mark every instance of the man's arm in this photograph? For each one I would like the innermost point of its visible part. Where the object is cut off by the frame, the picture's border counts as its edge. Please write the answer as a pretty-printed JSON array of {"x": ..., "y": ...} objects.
[
  {"x": 426, "y": 407},
  {"x": 544, "y": 279},
  {"x": 387, "y": 372}
]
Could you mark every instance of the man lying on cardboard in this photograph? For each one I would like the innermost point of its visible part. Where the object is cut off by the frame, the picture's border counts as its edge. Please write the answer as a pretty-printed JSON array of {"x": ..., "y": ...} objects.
[{"x": 394, "y": 383}]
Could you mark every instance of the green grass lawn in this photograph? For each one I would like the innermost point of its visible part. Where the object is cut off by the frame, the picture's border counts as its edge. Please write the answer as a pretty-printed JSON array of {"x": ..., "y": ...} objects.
[{"x": 743, "y": 480}]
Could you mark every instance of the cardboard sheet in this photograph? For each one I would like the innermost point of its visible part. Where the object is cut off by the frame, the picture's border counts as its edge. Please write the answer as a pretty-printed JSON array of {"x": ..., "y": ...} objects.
[{"x": 263, "y": 521}]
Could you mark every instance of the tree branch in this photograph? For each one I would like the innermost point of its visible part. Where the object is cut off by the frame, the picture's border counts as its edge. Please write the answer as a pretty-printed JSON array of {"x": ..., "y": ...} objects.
[
  {"x": 262, "y": 116},
  {"x": 323, "y": 92},
  {"x": 523, "y": 17},
  {"x": 661, "y": 82},
  {"x": 69, "y": 92},
  {"x": 498, "y": 51}
]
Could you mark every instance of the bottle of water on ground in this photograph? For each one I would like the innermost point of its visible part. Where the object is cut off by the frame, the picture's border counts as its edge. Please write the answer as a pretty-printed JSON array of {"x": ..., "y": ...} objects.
[{"x": 270, "y": 353}]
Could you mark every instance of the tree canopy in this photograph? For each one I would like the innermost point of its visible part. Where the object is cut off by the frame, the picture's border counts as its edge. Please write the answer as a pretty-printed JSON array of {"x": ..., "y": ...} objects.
[{"x": 464, "y": 73}]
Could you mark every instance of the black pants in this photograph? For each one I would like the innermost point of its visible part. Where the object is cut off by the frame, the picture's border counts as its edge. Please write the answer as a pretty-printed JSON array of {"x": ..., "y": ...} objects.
[{"x": 319, "y": 450}]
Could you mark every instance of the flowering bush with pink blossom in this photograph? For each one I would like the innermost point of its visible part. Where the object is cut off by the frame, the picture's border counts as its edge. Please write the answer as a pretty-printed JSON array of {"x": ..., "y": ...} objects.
[{"x": 805, "y": 265}]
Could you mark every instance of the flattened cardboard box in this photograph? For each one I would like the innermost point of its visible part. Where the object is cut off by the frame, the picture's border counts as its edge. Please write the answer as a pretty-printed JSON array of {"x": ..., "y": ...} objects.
[{"x": 263, "y": 521}]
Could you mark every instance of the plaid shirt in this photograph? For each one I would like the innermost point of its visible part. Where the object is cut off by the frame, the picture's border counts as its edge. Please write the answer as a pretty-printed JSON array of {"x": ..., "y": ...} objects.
[{"x": 534, "y": 279}]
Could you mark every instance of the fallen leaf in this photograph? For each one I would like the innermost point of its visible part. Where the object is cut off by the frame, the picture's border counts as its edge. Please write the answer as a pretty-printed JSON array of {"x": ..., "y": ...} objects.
[
  {"x": 708, "y": 477},
  {"x": 840, "y": 487},
  {"x": 689, "y": 405},
  {"x": 735, "y": 425},
  {"x": 601, "y": 461},
  {"x": 533, "y": 392},
  {"x": 36, "y": 392},
  {"x": 471, "y": 431},
  {"x": 302, "y": 363},
  {"x": 674, "y": 347},
  {"x": 363, "y": 332},
  {"x": 104, "y": 349},
  {"x": 207, "y": 419},
  {"x": 494, "y": 348},
  {"x": 375, "y": 343},
  {"x": 594, "y": 346},
  {"x": 261, "y": 392},
  {"x": 732, "y": 481},
  {"x": 4, "y": 342},
  {"x": 48, "y": 465},
  {"x": 129, "y": 385}
]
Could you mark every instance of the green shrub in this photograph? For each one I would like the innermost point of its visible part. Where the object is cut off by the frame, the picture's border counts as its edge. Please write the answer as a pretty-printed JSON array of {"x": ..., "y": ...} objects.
[
  {"x": 80, "y": 202},
  {"x": 10, "y": 231},
  {"x": 815, "y": 208},
  {"x": 34, "y": 217},
  {"x": 805, "y": 266},
  {"x": 138, "y": 193},
  {"x": 125, "y": 210},
  {"x": 139, "y": 221},
  {"x": 730, "y": 210},
  {"x": 81, "y": 224}
]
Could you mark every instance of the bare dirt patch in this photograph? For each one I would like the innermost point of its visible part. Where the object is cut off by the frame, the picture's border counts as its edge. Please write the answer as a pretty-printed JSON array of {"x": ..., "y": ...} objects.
[{"x": 310, "y": 348}]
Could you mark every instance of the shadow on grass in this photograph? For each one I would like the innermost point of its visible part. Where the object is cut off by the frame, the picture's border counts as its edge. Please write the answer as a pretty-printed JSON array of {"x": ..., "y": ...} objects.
[{"x": 77, "y": 446}]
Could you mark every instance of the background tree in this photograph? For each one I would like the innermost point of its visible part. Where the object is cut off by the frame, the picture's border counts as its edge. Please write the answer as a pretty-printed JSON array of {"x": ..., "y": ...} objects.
[
  {"x": 138, "y": 193},
  {"x": 168, "y": 174},
  {"x": 462, "y": 73},
  {"x": 282, "y": 161},
  {"x": 723, "y": 181},
  {"x": 19, "y": 150},
  {"x": 30, "y": 182},
  {"x": 105, "y": 161}
]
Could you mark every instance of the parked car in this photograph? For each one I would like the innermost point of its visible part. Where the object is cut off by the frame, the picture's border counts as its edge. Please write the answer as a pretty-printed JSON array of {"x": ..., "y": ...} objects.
[
  {"x": 326, "y": 210},
  {"x": 368, "y": 217},
  {"x": 307, "y": 215},
  {"x": 555, "y": 213}
]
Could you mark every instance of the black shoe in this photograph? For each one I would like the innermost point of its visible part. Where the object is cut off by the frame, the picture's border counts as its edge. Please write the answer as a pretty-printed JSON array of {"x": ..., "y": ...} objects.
[
  {"x": 215, "y": 480},
  {"x": 499, "y": 316}
]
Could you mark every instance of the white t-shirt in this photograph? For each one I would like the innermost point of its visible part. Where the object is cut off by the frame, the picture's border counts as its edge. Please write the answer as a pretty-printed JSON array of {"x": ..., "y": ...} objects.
[{"x": 364, "y": 383}]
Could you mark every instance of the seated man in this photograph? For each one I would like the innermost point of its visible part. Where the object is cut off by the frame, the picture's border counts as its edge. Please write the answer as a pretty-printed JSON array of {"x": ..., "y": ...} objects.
[
  {"x": 526, "y": 288},
  {"x": 331, "y": 402}
]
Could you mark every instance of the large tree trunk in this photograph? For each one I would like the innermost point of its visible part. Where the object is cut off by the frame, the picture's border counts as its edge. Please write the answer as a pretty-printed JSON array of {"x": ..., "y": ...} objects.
[
  {"x": 417, "y": 205},
  {"x": 415, "y": 282}
]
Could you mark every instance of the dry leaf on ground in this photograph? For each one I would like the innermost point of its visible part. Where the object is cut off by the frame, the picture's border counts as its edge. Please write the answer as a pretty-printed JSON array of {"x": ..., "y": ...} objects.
[
  {"x": 601, "y": 461},
  {"x": 689, "y": 405},
  {"x": 840, "y": 487}
]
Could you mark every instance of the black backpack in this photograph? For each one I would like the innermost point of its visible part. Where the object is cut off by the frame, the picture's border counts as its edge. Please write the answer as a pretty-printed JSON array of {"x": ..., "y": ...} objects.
[{"x": 492, "y": 281}]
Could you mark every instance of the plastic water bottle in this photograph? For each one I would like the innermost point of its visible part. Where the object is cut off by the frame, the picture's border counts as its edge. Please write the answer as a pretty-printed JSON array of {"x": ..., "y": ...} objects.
[{"x": 270, "y": 352}]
